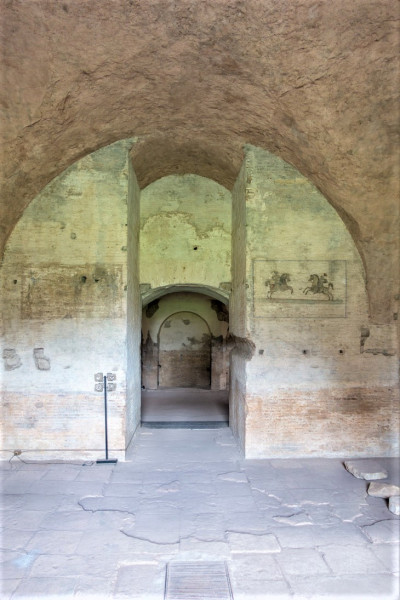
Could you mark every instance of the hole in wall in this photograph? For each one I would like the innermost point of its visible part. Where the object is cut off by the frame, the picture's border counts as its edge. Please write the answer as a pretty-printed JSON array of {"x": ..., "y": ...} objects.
[{"x": 83, "y": 278}]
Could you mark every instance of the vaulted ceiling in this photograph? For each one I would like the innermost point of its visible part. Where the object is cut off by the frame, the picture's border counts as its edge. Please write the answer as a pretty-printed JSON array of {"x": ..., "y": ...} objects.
[{"x": 315, "y": 82}]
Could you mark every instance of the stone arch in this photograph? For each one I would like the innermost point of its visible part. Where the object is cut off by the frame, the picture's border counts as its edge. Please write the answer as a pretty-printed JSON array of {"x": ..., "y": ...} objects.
[
  {"x": 63, "y": 268},
  {"x": 153, "y": 294}
]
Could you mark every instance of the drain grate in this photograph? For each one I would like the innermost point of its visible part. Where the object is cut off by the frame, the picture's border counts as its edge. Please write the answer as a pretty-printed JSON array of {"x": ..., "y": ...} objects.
[{"x": 197, "y": 581}]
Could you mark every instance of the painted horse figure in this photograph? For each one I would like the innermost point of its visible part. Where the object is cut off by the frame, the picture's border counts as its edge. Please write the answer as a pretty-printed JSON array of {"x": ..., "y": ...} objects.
[
  {"x": 278, "y": 283},
  {"x": 319, "y": 285}
]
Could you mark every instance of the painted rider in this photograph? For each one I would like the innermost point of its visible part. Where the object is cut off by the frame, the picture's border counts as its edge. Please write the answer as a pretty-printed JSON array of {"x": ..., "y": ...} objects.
[{"x": 323, "y": 281}]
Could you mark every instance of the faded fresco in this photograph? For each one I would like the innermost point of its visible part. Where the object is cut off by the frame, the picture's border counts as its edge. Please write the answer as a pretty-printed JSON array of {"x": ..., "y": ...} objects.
[
  {"x": 295, "y": 288},
  {"x": 66, "y": 291}
]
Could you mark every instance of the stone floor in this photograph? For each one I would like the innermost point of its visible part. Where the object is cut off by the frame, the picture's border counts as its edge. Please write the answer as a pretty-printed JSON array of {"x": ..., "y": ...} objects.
[
  {"x": 302, "y": 528},
  {"x": 184, "y": 404}
]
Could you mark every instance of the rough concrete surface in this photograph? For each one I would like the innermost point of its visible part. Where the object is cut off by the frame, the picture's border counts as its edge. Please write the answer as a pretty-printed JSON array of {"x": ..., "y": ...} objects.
[{"x": 300, "y": 528}]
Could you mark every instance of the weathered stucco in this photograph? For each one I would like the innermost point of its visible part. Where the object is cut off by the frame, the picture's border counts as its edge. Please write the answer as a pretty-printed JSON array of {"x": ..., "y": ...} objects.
[
  {"x": 64, "y": 283},
  {"x": 310, "y": 386},
  {"x": 185, "y": 228}
]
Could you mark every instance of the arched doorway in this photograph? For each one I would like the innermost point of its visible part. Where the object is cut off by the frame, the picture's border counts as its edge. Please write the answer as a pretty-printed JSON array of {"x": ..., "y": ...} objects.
[
  {"x": 184, "y": 352},
  {"x": 185, "y": 361}
]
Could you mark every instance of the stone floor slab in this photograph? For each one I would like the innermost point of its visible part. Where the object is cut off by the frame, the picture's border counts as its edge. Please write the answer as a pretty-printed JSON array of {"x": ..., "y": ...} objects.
[
  {"x": 287, "y": 530},
  {"x": 247, "y": 543},
  {"x": 23, "y": 520},
  {"x": 352, "y": 560},
  {"x": 94, "y": 588},
  {"x": 389, "y": 555},
  {"x": 45, "y": 542},
  {"x": 261, "y": 590},
  {"x": 50, "y": 588},
  {"x": 304, "y": 562},
  {"x": 294, "y": 520},
  {"x": 8, "y": 587},
  {"x": 136, "y": 582},
  {"x": 194, "y": 548},
  {"x": 12, "y": 539},
  {"x": 386, "y": 532},
  {"x": 370, "y": 587},
  {"x": 16, "y": 565},
  {"x": 65, "y": 520},
  {"x": 255, "y": 568}
]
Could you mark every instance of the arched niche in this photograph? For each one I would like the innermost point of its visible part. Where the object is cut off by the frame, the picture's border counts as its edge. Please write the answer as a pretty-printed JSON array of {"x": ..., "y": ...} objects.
[{"x": 184, "y": 352}]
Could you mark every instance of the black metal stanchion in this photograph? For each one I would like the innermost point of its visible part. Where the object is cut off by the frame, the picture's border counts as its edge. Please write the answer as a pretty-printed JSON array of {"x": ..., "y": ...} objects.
[{"x": 106, "y": 459}]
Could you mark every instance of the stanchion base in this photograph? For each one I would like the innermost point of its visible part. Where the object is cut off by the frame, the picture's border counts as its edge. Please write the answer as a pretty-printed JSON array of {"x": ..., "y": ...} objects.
[{"x": 107, "y": 460}]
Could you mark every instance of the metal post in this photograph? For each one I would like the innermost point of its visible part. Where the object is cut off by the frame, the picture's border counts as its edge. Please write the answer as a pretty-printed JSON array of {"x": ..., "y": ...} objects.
[
  {"x": 105, "y": 415},
  {"x": 106, "y": 460}
]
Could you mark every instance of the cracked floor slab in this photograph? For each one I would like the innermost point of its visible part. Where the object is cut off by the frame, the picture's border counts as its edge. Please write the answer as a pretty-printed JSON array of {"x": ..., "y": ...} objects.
[{"x": 295, "y": 529}]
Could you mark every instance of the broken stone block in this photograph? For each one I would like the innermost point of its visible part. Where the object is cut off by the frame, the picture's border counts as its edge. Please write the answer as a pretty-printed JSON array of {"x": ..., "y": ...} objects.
[
  {"x": 383, "y": 490},
  {"x": 366, "y": 469},
  {"x": 11, "y": 359},
  {"x": 394, "y": 505},
  {"x": 41, "y": 361}
]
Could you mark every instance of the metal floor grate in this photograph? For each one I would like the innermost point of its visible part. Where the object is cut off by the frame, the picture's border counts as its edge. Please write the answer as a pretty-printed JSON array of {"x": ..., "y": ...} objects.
[{"x": 197, "y": 581}]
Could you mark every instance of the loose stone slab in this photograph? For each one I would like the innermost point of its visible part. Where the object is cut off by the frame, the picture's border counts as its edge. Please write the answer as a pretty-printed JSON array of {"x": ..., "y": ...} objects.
[
  {"x": 383, "y": 490},
  {"x": 366, "y": 469},
  {"x": 394, "y": 505}
]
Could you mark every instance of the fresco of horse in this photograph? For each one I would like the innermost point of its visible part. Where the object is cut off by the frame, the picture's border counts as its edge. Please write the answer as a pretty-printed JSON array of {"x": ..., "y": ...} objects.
[
  {"x": 319, "y": 285},
  {"x": 278, "y": 283}
]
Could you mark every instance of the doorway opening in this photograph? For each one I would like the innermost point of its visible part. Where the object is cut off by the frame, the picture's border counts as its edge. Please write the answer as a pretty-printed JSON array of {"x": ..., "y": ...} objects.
[
  {"x": 184, "y": 352},
  {"x": 185, "y": 361}
]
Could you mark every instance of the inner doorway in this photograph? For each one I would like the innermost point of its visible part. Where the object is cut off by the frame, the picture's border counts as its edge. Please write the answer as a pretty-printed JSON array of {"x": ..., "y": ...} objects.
[
  {"x": 185, "y": 362},
  {"x": 184, "y": 352}
]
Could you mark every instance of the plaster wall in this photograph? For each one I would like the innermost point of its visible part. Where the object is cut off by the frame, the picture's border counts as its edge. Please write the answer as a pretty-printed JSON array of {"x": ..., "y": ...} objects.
[
  {"x": 64, "y": 282},
  {"x": 322, "y": 380},
  {"x": 185, "y": 234},
  {"x": 309, "y": 373}
]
